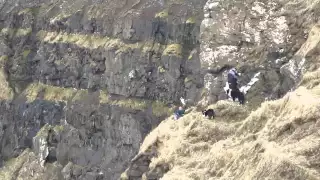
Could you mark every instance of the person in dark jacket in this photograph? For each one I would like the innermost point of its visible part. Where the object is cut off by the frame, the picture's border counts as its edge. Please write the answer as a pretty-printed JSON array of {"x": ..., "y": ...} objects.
[
  {"x": 179, "y": 113},
  {"x": 233, "y": 86},
  {"x": 233, "y": 79}
]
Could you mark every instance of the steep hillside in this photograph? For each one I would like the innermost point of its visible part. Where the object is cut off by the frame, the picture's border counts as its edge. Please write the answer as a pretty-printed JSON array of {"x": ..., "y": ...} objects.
[
  {"x": 95, "y": 77},
  {"x": 280, "y": 140},
  {"x": 264, "y": 40}
]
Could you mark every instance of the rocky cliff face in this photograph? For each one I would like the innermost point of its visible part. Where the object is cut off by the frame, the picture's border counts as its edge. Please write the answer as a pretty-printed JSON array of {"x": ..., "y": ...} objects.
[
  {"x": 83, "y": 82},
  {"x": 131, "y": 48},
  {"x": 261, "y": 38}
]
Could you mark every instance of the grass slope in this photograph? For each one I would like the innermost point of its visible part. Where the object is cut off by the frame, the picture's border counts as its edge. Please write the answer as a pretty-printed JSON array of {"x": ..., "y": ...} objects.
[{"x": 280, "y": 140}]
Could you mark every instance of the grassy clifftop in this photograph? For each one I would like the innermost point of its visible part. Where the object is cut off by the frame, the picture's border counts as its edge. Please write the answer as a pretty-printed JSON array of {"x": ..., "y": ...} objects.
[{"x": 280, "y": 140}]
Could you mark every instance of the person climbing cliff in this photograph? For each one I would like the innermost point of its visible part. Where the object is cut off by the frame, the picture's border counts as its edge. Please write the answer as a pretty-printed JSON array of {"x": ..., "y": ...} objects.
[
  {"x": 179, "y": 113},
  {"x": 233, "y": 79},
  {"x": 233, "y": 86}
]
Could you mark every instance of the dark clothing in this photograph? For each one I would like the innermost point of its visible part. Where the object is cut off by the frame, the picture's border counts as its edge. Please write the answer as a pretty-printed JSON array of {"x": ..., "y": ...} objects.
[
  {"x": 232, "y": 80},
  {"x": 179, "y": 113},
  {"x": 239, "y": 95}
]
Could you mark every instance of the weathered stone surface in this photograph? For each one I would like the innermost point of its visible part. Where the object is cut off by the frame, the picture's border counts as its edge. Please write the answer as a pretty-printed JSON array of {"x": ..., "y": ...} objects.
[
  {"x": 138, "y": 51},
  {"x": 256, "y": 37}
]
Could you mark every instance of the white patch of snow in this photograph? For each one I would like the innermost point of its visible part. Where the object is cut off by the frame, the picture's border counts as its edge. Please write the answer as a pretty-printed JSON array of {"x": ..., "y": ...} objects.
[{"x": 246, "y": 88}]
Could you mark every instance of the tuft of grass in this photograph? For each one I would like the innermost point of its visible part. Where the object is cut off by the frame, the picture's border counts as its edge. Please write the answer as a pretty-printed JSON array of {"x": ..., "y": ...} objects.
[
  {"x": 132, "y": 104},
  {"x": 173, "y": 50},
  {"x": 43, "y": 132},
  {"x": 187, "y": 79},
  {"x": 124, "y": 176},
  {"x": 191, "y": 20},
  {"x": 161, "y": 69},
  {"x": 16, "y": 32},
  {"x": 89, "y": 41},
  {"x": 79, "y": 94},
  {"x": 60, "y": 16},
  {"x": 58, "y": 129},
  {"x": 3, "y": 60},
  {"x": 12, "y": 167},
  {"x": 5, "y": 31},
  {"x": 33, "y": 11},
  {"x": 311, "y": 79},
  {"x": 23, "y": 32},
  {"x": 6, "y": 93},
  {"x": 41, "y": 34},
  {"x": 32, "y": 91},
  {"x": 163, "y": 14},
  {"x": 160, "y": 109},
  {"x": 25, "y": 53},
  {"x": 50, "y": 93},
  {"x": 230, "y": 111},
  {"x": 278, "y": 137},
  {"x": 104, "y": 98},
  {"x": 53, "y": 93}
]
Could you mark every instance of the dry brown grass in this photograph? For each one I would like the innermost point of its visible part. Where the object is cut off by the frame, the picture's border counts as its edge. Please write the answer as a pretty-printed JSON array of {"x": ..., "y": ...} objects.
[
  {"x": 6, "y": 93},
  {"x": 280, "y": 140},
  {"x": 311, "y": 79}
]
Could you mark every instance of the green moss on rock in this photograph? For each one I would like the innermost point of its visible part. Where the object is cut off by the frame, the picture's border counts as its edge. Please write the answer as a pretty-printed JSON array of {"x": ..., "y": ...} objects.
[
  {"x": 16, "y": 32},
  {"x": 159, "y": 108},
  {"x": 3, "y": 60},
  {"x": 136, "y": 104},
  {"x": 191, "y": 20},
  {"x": 33, "y": 11},
  {"x": 173, "y": 50},
  {"x": 163, "y": 14},
  {"x": 50, "y": 93},
  {"x": 25, "y": 53},
  {"x": 12, "y": 167},
  {"x": 103, "y": 97},
  {"x": 23, "y": 32},
  {"x": 58, "y": 129},
  {"x": 161, "y": 69},
  {"x": 187, "y": 79},
  {"x": 80, "y": 94},
  {"x": 6, "y": 93},
  {"x": 89, "y": 41},
  {"x": 43, "y": 132}
]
